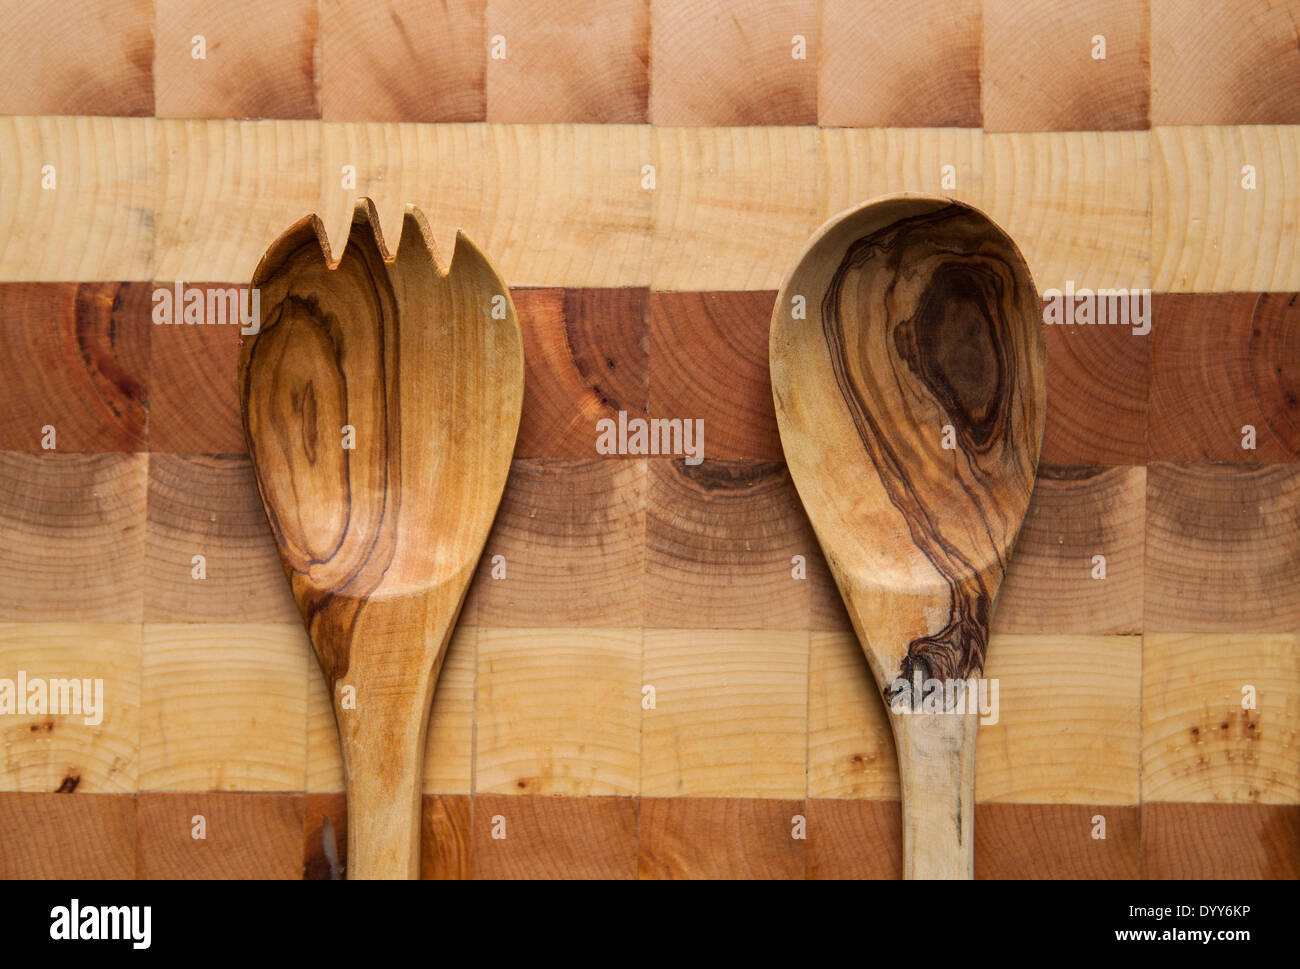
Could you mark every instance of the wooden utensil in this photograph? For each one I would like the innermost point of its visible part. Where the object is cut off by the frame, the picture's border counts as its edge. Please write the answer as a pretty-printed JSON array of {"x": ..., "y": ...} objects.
[
  {"x": 381, "y": 400},
  {"x": 908, "y": 373}
]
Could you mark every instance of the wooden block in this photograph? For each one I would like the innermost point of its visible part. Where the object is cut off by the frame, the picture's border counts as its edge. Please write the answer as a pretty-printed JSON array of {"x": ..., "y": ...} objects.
[
  {"x": 720, "y": 839},
  {"x": 1077, "y": 204},
  {"x": 209, "y": 506},
  {"x": 923, "y": 57},
  {"x": 1209, "y": 233},
  {"x": 1055, "y": 583},
  {"x": 730, "y": 715},
  {"x": 583, "y": 61},
  {"x": 224, "y": 708},
  {"x": 559, "y": 711},
  {"x": 850, "y": 743},
  {"x": 449, "y": 750},
  {"x": 854, "y": 839},
  {"x": 1221, "y": 841},
  {"x": 1198, "y": 742},
  {"x": 1068, "y": 721},
  {"x": 734, "y": 207},
  {"x": 438, "y": 168},
  {"x": 721, "y": 541},
  {"x": 571, "y": 537},
  {"x": 84, "y": 179},
  {"x": 708, "y": 362},
  {"x": 325, "y": 837},
  {"x": 1097, "y": 379},
  {"x": 548, "y": 837},
  {"x": 81, "y": 366},
  {"x": 193, "y": 400},
  {"x": 729, "y": 62},
  {"x": 1220, "y": 362},
  {"x": 259, "y": 59},
  {"x": 248, "y": 836},
  {"x": 1223, "y": 548},
  {"x": 585, "y": 359},
  {"x": 74, "y": 536},
  {"x": 828, "y": 612},
  {"x": 88, "y": 737},
  {"x": 52, "y": 836},
  {"x": 862, "y": 164},
  {"x": 567, "y": 204},
  {"x": 1056, "y": 841},
  {"x": 273, "y": 170},
  {"x": 399, "y": 62},
  {"x": 1045, "y": 68},
  {"x": 445, "y": 837},
  {"x": 51, "y": 69},
  {"x": 1224, "y": 62}
]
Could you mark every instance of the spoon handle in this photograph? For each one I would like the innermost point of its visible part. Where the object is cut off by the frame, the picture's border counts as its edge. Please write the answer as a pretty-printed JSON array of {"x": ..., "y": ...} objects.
[{"x": 936, "y": 763}]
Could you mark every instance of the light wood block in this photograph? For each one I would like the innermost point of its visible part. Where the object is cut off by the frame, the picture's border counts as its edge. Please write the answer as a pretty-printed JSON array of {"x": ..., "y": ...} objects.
[
  {"x": 559, "y": 711},
  {"x": 850, "y": 743},
  {"x": 1078, "y": 204},
  {"x": 73, "y": 527},
  {"x": 1198, "y": 743},
  {"x": 225, "y": 190},
  {"x": 1222, "y": 548},
  {"x": 566, "y": 204},
  {"x": 101, "y": 202},
  {"x": 733, "y": 207},
  {"x": 1069, "y": 721},
  {"x": 731, "y": 713},
  {"x": 449, "y": 750},
  {"x": 224, "y": 708},
  {"x": 862, "y": 164},
  {"x": 90, "y": 747},
  {"x": 1208, "y": 233}
]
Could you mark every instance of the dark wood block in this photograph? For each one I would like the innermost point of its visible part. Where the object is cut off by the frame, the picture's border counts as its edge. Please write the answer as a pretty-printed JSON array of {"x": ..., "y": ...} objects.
[
  {"x": 248, "y": 836},
  {"x": 79, "y": 361},
  {"x": 1222, "y": 548},
  {"x": 325, "y": 837},
  {"x": 1219, "y": 362},
  {"x": 1050, "y": 841},
  {"x": 1039, "y": 73},
  {"x": 445, "y": 837},
  {"x": 852, "y": 839},
  {"x": 585, "y": 62},
  {"x": 720, "y": 541},
  {"x": 709, "y": 362},
  {"x": 720, "y": 838},
  {"x": 1220, "y": 840},
  {"x": 67, "y": 836},
  {"x": 554, "y": 837},
  {"x": 585, "y": 359},
  {"x": 209, "y": 506},
  {"x": 395, "y": 61}
]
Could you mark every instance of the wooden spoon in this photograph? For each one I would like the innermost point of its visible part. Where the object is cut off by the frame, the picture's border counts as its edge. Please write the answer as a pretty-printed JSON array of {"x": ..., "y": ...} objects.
[
  {"x": 908, "y": 374},
  {"x": 381, "y": 400}
]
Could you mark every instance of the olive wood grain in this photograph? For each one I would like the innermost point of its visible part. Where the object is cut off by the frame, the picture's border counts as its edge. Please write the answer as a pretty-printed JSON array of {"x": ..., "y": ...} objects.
[
  {"x": 918, "y": 327},
  {"x": 380, "y": 541}
]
